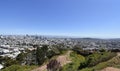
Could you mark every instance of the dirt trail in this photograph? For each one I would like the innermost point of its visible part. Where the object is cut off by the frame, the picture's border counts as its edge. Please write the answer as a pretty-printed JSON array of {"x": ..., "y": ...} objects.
[
  {"x": 118, "y": 54},
  {"x": 112, "y": 68},
  {"x": 62, "y": 59}
]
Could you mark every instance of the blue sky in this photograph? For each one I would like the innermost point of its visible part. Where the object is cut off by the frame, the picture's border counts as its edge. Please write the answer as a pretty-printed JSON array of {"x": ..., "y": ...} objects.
[{"x": 78, "y": 18}]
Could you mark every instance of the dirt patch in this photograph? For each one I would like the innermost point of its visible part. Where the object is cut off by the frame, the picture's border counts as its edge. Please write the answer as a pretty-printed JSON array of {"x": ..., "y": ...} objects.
[
  {"x": 64, "y": 59},
  {"x": 118, "y": 54},
  {"x": 110, "y": 69}
]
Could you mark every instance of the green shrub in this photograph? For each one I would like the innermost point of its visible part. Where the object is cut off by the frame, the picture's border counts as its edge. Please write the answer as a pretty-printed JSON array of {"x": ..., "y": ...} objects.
[
  {"x": 97, "y": 58},
  {"x": 19, "y": 68},
  {"x": 110, "y": 61}
]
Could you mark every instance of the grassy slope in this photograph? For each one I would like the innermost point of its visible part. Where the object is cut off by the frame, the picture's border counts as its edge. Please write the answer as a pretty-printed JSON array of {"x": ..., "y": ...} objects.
[
  {"x": 78, "y": 59},
  {"x": 114, "y": 62},
  {"x": 74, "y": 65},
  {"x": 19, "y": 68}
]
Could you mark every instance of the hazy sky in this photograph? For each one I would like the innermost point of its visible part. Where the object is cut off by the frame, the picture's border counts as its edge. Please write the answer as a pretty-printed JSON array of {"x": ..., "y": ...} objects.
[{"x": 80, "y": 18}]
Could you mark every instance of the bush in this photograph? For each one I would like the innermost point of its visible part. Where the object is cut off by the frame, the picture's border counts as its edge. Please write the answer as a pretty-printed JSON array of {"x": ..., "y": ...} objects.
[
  {"x": 8, "y": 61},
  {"x": 99, "y": 61},
  {"x": 43, "y": 53},
  {"x": 97, "y": 58},
  {"x": 21, "y": 57},
  {"x": 19, "y": 68}
]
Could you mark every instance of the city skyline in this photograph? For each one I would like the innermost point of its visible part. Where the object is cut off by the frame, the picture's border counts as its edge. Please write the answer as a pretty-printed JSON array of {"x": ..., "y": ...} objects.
[{"x": 78, "y": 18}]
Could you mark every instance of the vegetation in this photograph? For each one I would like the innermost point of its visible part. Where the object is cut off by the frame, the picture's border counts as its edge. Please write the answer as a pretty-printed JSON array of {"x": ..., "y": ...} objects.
[
  {"x": 6, "y": 61},
  {"x": 19, "y": 68},
  {"x": 92, "y": 62},
  {"x": 21, "y": 57},
  {"x": 43, "y": 53},
  {"x": 114, "y": 62},
  {"x": 97, "y": 58},
  {"x": 76, "y": 61},
  {"x": 79, "y": 62}
]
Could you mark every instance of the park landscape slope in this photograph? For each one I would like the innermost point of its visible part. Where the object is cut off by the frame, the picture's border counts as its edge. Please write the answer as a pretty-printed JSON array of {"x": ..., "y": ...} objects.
[
  {"x": 65, "y": 59},
  {"x": 72, "y": 61},
  {"x": 62, "y": 59},
  {"x": 115, "y": 60}
]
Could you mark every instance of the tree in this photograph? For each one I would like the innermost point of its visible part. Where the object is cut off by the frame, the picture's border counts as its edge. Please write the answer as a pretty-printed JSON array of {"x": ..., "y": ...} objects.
[
  {"x": 9, "y": 61},
  {"x": 41, "y": 54},
  {"x": 21, "y": 57}
]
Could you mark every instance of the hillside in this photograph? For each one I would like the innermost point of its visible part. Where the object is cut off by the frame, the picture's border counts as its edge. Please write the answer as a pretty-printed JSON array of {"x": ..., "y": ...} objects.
[
  {"x": 114, "y": 64},
  {"x": 62, "y": 59},
  {"x": 71, "y": 60}
]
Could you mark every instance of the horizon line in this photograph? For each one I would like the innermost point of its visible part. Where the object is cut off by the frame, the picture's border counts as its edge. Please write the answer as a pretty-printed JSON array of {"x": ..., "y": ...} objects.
[{"x": 60, "y": 36}]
